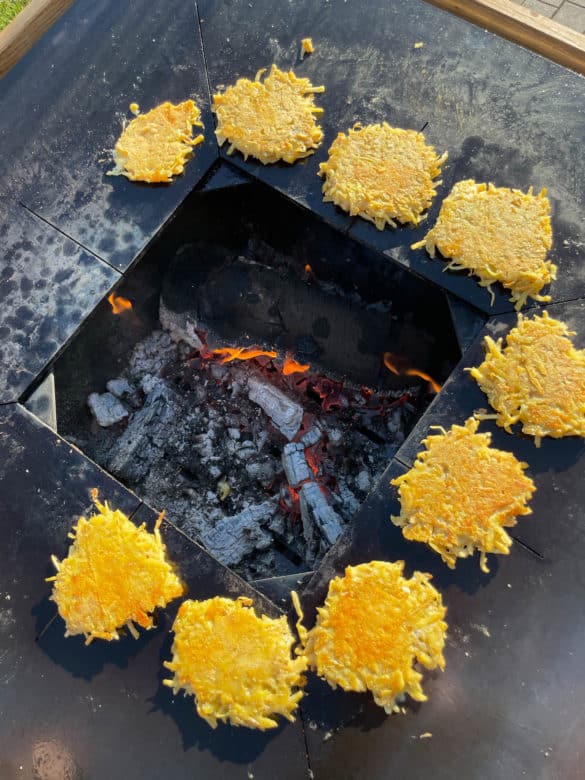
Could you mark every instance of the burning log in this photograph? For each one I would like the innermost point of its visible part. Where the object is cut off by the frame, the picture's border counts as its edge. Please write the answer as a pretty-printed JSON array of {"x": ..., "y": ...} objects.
[
  {"x": 238, "y": 536},
  {"x": 316, "y": 512},
  {"x": 295, "y": 464},
  {"x": 285, "y": 413}
]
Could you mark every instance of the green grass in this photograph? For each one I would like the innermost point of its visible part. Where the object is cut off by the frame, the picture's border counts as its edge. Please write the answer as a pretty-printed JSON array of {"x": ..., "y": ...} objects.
[{"x": 9, "y": 9}]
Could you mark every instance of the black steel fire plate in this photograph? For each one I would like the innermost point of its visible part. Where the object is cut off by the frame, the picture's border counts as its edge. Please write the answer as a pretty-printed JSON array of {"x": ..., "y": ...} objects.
[
  {"x": 509, "y": 703},
  {"x": 48, "y": 285},
  {"x": 60, "y": 128},
  {"x": 278, "y": 589},
  {"x": 100, "y": 711},
  {"x": 504, "y": 114}
]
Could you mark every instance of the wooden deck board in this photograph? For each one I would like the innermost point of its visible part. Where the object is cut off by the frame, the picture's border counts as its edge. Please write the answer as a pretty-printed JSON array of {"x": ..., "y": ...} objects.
[
  {"x": 26, "y": 28},
  {"x": 523, "y": 26}
]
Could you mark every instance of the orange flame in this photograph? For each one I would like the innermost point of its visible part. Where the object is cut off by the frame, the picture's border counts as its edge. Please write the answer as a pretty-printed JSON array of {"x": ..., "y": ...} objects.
[
  {"x": 118, "y": 303},
  {"x": 228, "y": 354},
  {"x": 291, "y": 366},
  {"x": 434, "y": 385},
  {"x": 390, "y": 362},
  {"x": 308, "y": 269}
]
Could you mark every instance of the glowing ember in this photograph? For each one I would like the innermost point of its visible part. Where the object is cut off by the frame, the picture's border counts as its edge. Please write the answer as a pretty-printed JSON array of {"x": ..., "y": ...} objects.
[
  {"x": 289, "y": 503},
  {"x": 118, "y": 303},
  {"x": 313, "y": 461},
  {"x": 392, "y": 362},
  {"x": 330, "y": 393},
  {"x": 229, "y": 354},
  {"x": 292, "y": 366},
  {"x": 308, "y": 269}
]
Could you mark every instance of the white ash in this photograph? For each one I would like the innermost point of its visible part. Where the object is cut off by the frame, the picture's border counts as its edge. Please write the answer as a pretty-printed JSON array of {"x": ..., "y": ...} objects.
[
  {"x": 295, "y": 464},
  {"x": 263, "y": 470},
  {"x": 245, "y": 451},
  {"x": 277, "y": 524},
  {"x": 285, "y": 413},
  {"x": 238, "y": 536},
  {"x": 335, "y": 435},
  {"x": 312, "y": 436},
  {"x": 363, "y": 481},
  {"x": 150, "y": 355},
  {"x": 218, "y": 371},
  {"x": 144, "y": 439},
  {"x": 106, "y": 409},
  {"x": 395, "y": 427},
  {"x": 346, "y": 499},
  {"x": 196, "y": 428},
  {"x": 180, "y": 327},
  {"x": 120, "y": 388}
]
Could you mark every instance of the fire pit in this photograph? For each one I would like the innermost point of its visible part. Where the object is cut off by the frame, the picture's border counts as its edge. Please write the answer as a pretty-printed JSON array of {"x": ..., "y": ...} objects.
[
  {"x": 257, "y": 372},
  {"x": 510, "y": 701}
]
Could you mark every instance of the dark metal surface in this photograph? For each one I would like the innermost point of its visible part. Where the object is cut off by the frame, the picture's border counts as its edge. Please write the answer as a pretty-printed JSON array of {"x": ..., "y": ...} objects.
[
  {"x": 509, "y": 704},
  {"x": 48, "y": 284},
  {"x": 101, "y": 711},
  {"x": 505, "y": 115},
  {"x": 467, "y": 321},
  {"x": 223, "y": 176},
  {"x": 99, "y": 58},
  {"x": 278, "y": 589}
]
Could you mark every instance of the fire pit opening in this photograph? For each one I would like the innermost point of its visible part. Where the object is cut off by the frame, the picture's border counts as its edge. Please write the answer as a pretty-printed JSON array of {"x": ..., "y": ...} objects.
[{"x": 253, "y": 375}]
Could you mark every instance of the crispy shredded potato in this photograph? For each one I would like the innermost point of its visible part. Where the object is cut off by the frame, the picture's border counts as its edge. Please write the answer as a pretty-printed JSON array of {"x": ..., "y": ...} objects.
[
  {"x": 155, "y": 146},
  {"x": 114, "y": 575},
  {"x": 237, "y": 665},
  {"x": 537, "y": 379},
  {"x": 498, "y": 234},
  {"x": 270, "y": 120},
  {"x": 381, "y": 173},
  {"x": 307, "y": 47},
  {"x": 461, "y": 494},
  {"x": 374, "y": 627}
]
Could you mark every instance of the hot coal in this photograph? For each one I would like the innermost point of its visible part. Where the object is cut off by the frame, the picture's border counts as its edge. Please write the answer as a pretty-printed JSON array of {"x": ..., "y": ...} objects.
[
  {"x": 295, "y": 464},
  {"x": 264, "y": 470},
  {"x": 144, "y": 440},
  {"x": 284, "y": 412},
  {"x": 236, "y": 537},
  {"x": 320, "y": 520}
]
